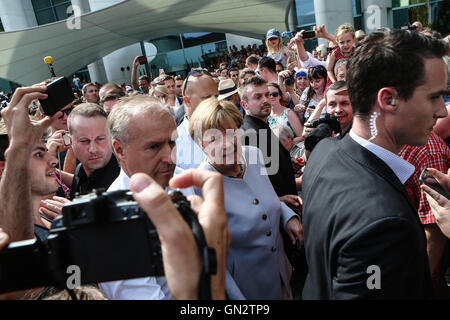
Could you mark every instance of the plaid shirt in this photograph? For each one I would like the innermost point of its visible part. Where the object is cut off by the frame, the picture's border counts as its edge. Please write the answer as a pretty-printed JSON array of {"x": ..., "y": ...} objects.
[{"x": 435, "y": 154}]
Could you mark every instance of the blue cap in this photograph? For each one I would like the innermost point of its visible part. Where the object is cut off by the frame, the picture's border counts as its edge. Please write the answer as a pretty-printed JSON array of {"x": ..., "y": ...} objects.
[{"x": 273, "y": 33}]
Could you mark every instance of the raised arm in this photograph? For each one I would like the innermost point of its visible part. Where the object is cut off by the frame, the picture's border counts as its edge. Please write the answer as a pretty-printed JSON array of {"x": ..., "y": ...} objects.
[
  {"x": 16, "y": 216},
  {"x": 134, "y": 81}
]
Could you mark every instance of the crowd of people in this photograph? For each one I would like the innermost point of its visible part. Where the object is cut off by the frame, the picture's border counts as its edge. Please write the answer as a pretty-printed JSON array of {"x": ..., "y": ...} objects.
[{"x": 303, "y": 167}]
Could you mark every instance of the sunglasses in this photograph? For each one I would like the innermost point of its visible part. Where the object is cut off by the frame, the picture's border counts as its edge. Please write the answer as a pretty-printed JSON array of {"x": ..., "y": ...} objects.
[
  {"x": 65, "y": 112},
  {"x": 274, "y": 94},
  {"x": 194, "y": 72},
  {"x": 319, "y": 67}
]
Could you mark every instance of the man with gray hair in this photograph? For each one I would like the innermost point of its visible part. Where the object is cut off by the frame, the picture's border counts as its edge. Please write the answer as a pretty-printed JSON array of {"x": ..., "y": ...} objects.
[
  {"x": 143, "y": 133},
  {"x": 286, "y": 137}
]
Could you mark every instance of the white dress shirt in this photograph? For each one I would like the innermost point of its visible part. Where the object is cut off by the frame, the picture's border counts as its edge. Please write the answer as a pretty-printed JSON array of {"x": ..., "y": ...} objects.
[
  {"x": 147, "y": 288},
  {"x": 189, "y": 154},
  {"x": 402, "y": 168}
]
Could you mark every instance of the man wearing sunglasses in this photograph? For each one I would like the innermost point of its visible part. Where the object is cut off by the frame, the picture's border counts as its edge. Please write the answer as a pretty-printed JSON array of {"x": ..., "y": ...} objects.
[{"x": 198, "y": 86}]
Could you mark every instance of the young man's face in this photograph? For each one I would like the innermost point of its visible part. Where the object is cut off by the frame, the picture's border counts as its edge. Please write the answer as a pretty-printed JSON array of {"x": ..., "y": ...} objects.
[
  {"x": 258, "y": 104},
  {"x": 42, "y": 170},
  {"x": 170, "y": 85},
  {"x": 234, "y": 75},
  {"x": 91, "y": 94},
  {"x": 416, "y": 117}
]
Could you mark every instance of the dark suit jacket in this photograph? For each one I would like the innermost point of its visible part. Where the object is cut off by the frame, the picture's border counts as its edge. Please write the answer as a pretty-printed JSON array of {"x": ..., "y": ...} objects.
[
  {"x": 179, "y": 113},
  {"x": 357, "y": 214},
  {"x": 283, "y": 180}
]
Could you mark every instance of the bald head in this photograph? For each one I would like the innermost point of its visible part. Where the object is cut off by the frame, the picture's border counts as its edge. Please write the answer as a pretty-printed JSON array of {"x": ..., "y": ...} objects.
[{"x": 198, "y": 88}]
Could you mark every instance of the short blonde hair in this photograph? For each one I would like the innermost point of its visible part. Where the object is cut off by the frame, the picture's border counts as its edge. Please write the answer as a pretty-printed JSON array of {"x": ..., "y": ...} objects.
[
  {"x": 345, "y": 28},
  {"x": 213, "y": 114}
]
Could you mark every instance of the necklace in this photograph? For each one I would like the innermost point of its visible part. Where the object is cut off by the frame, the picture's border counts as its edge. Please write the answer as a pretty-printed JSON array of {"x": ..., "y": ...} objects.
[{"x": 242, "y": 166}]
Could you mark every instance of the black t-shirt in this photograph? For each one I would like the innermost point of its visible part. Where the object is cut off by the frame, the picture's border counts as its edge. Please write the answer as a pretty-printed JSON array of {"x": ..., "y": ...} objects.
[
  {"x": 283, "y": 181},
  {"x": 100, "y": 178}
]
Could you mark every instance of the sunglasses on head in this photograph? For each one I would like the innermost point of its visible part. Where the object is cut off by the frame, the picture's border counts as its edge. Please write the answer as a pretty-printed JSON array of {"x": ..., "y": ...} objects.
[{"x": 194, "y": 72}]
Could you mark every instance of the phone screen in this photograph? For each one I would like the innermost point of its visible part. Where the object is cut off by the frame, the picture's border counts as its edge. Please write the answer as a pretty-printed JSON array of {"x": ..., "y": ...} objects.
[
  {"x": 142, "y": 60},
  {"x": 308, "y": 34},
  {"x": 427, "y": 179}
]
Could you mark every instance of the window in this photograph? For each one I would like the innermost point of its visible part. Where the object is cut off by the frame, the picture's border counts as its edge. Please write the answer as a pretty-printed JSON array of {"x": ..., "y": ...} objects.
[
  {"x": 305, "y": 12},
  {"x": 434, "y": 14},
  {"x": 48, "y": 11},
  {"x": 357, "y": 15}
]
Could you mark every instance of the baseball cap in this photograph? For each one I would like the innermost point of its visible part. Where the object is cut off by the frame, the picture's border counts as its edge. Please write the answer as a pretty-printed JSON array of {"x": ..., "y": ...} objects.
[{"x": 273, "y": 33}]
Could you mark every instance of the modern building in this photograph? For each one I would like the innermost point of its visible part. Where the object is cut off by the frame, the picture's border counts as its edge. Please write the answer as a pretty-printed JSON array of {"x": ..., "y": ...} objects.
[{"x": 175, "y": 52}]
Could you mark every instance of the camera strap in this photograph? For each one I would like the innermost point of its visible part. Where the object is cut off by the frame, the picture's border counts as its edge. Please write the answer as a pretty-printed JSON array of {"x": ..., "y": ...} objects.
[{"x": 207, "y": 254}]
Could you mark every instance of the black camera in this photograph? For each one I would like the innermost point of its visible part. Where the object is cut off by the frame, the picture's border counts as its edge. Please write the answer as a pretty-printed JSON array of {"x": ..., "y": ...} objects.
[
  {"x": 325, "y": 126},
  {"x": 410, "y": 27},
  {"x": 289, "y": 81},
  {"x": 105, "y": 234}
]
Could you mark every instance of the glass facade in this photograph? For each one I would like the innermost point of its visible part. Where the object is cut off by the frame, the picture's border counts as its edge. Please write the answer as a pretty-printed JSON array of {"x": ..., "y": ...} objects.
[
  {"x": 434, "y": 14},
  {"x": 177, "y": 53},
  {"x": 48, "y": 11}
]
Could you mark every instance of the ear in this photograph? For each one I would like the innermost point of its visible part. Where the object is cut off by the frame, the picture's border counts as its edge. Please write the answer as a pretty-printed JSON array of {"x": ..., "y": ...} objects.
[
  {"x": 118, "y": 148},
  {"x": 244, "y": 104},
  {"x": 387, "y": 99},
  {"x": 186, "y": 100}
]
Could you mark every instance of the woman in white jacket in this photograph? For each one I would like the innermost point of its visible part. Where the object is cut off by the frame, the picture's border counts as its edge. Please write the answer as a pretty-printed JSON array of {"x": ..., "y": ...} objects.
[{"x": 257, "y": 266}]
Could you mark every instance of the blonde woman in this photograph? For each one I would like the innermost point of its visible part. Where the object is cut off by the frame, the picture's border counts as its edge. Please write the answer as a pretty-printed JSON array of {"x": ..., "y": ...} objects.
[
  {"x": 275, "y": 48},
  {"x": 257, "y": 265}
]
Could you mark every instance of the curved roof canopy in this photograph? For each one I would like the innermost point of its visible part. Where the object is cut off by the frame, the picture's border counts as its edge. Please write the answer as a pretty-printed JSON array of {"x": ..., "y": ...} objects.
[{"x": 104, "y": 31}]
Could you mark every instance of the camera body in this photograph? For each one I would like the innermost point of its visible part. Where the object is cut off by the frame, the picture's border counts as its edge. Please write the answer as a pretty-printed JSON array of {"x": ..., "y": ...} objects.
[
  {"x": 289, "y": 81},
  {"x": 105, "y": 234},
  {"x": 410, "y": 27},
  {"x": 324, "y": 127}
]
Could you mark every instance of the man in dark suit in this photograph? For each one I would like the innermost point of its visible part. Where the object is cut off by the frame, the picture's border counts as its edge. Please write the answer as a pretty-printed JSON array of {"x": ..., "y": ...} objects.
[{"x": 363, "y": 238}]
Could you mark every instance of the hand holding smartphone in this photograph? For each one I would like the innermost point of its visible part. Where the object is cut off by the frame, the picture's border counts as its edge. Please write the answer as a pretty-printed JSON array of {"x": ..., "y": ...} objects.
[
  {"x": 427, "y": 179},
  {"x": 308, "y": 34},
  {"x": 142, "y": 60},
  {"x": 59, "y": 93}
]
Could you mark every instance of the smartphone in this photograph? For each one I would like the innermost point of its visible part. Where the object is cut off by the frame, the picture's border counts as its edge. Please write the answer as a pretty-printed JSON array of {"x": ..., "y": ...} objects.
[
  {"x": 308, "y": 34},
  {"x": 427, "y": 179},
  {"x": 66, "y": 139},
  {"x": 59, "y": 93},
  {"x": 142, "y": 60}
]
